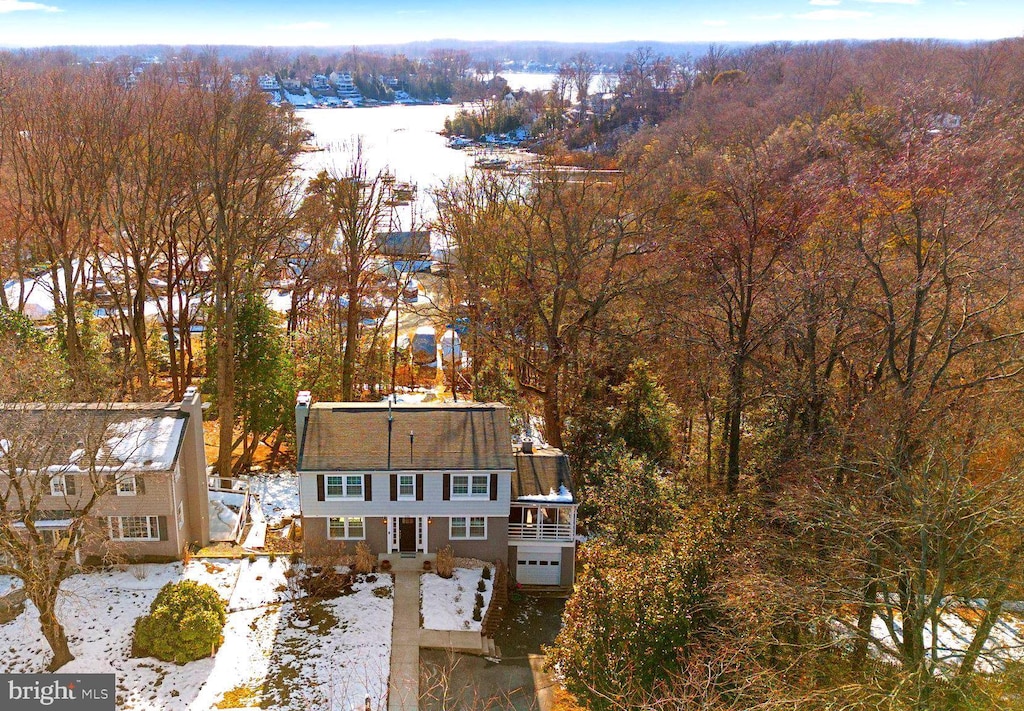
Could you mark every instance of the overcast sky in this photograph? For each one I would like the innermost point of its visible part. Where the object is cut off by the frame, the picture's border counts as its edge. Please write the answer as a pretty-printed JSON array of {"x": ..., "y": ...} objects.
[{"x": 341, "y": 22}]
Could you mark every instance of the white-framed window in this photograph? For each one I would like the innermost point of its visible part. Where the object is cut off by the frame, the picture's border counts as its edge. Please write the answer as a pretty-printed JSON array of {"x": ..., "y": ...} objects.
[
  {"x": 134, "y": 528},
  {"x": 406, "y": 486},
  {"x": 58, "y": 485},
  {"x": 348, "y": 486},
  {"x": 471, "y": 486},
  {"x": 181, "y": 514},
  {"x": 126, "y": 485},
  {"x": 468, "y": 527},
  {"x": 349, "y": 528}
]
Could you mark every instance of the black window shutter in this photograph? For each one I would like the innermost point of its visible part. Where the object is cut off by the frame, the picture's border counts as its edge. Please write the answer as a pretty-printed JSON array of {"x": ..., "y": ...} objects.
[
  {"x": 69, "y": 484},
  {"x": 140, "y": 484},
  {"x": 111, "y": 482},
  {"x": 104, "y": 524},
  {"x": 320, "y": 487},
  {"x": 494, "y": 486},
  {"x": 394, "y": 487},
  {"x": 161, "y": 524},
  {"x": 367, "y": 487},
  {"x": 419, "y": 487},
  {"x": 446, "y": 484}
]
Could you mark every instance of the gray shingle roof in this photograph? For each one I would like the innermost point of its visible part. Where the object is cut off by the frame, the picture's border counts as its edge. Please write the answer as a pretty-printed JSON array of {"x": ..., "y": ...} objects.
[
  {"x": 540, "y": 473},
  {"x": 354, "y": 437}
]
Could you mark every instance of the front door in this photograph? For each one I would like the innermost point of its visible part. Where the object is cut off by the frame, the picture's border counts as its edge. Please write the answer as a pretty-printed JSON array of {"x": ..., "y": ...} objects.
[{"x": 407, "y": 534}]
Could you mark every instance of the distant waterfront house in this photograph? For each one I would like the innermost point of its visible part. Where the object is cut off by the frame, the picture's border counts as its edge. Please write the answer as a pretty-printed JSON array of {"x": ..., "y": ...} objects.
[
  {"x": 145, "y": 460},
  {"x": 409, "y": 479},
  {"x": 346, "y": 88},
  {"x": 410, "y": 251},
  {"x": 342, "y": 81},
  {"x": 320, "y": 82},
  {"x": 268, "y": 82}
]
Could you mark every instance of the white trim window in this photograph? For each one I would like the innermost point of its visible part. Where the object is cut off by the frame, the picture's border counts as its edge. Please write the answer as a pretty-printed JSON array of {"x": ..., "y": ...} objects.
[
  {"x": 346, "y": 528},
  {"x": 467, "y": 528},
  {"x": 471, "y": 486},
  {"x": 134, "y": 528},
  {"x": 406, "y": 487},
  {"x": 347, "y": 486},
  {"x": 58, "y": 485},
  {"x": 126, "y": 485}
]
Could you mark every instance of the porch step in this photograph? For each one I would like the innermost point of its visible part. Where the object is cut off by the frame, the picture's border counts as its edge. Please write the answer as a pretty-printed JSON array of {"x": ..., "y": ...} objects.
[{"x": 407, "y": 561}]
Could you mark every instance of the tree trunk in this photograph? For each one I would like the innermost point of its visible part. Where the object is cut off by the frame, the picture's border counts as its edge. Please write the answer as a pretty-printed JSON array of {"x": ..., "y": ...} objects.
[
  {"x": 225, "y": 389},
  {"x": 348, "y": 363},
  {"x": 173, "y": 366},
  {"x": 72, "y": 342},
  {"x": 52, "y": 630},
  {"x": 275, "y": 449},
  {"x": 867, "y": 611},
  {"x": 723, "y": 444},
  {"x": 732, "y": 475},
  {"x": 139, "y": 339},
  {"x": 552, "y": 411},
  {"x": 992, "y": 611}
]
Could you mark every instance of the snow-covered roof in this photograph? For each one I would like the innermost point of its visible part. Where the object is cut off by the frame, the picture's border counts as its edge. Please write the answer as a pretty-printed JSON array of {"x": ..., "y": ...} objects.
[
  {"x": 562, "y": 496},
  {"x": 124, "y": 437},
  {"x": 146, "y": 442}
]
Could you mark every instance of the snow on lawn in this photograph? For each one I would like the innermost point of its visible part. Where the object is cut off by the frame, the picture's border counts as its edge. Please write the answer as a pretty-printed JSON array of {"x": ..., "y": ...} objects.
[
  {"x": 333, "y": 663},
  {"x": 448, "y": 604},
  {"x": 954, "y": 633},
  {"x": 279, "y": 495},
  {"x": 8, "y": 583},
  {"x": 261, "y": 583},
  {"x": 99, "y": 611}
]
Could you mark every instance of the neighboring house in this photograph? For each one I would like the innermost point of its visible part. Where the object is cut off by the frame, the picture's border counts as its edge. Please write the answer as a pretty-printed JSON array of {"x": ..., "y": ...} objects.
[
  {"x": 149, "y": 456},
  {"x": 320, "y": 82},
  {"x": 346, "y": 88},
  {"x": 409, "y": 479},
  {"x": 268, "y": 82},
  {"x": 410, "y": 251},
  {"x": 342, "y": 80}
]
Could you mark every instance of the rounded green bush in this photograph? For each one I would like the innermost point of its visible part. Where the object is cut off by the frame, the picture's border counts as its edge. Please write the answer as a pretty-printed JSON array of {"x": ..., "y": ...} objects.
[{"x": 184, "y": 623}]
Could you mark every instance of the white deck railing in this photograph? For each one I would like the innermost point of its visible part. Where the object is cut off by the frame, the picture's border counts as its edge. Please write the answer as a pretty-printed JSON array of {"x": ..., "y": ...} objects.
[{"x": 541, "y": 531}]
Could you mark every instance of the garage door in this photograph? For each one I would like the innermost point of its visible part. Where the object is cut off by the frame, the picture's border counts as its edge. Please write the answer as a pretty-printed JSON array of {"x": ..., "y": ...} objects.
[{"x": 539, "y": 568}]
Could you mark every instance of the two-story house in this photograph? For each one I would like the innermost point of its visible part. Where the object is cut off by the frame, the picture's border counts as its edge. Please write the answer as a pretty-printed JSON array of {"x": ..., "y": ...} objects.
[
  {"x": 408, "y": 479},
  {"x": 146, "y": 461}
]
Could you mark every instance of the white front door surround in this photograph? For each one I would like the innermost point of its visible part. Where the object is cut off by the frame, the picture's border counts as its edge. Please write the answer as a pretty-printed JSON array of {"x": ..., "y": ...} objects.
[{"x": 395, "y": 528}]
